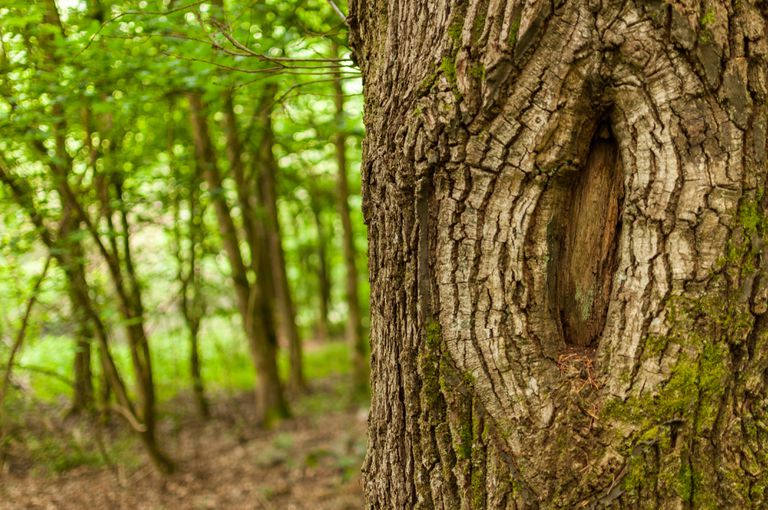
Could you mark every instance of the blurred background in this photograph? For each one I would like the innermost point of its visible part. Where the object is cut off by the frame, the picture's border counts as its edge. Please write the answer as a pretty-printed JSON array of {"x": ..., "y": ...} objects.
[{"x": 183, "y": 290}]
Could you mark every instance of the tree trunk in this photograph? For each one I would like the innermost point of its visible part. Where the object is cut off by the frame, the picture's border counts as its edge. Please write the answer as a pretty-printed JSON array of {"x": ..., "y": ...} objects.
[
  {"x": 566, "y": 211},
  {"x": 323, "y": 278},
  {"x": 272, "y": 262},
  {"x": 61, "y": 249},
  {"x": 82, "y": 400},
  {"x": 254, "y": 308},
  {"x": 121, "y": 270},
  {"x": 72, "y": 256},
  {"x": 355, "y": 336},
  {"x": 188, "y": 270},
  {"x": 264, "y": 160}
]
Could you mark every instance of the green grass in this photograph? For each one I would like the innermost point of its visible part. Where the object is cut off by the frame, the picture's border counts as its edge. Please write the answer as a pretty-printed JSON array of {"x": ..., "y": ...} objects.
[
  {"x": 226, "y": 362},
  {"x": 59, "y": 454},
  {"x": 227, "y": 367},
  {"x": 47, "y": 444}
]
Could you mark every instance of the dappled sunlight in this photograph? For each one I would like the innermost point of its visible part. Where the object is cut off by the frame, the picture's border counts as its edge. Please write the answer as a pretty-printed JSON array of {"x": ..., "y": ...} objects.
[{"x": 184, "y": 312}]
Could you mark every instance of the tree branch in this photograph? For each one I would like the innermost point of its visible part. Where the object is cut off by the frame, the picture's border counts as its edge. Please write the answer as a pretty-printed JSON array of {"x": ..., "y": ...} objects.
[
  {"x": 22, "y": 333},
  {"x": 338, "y": 11}
]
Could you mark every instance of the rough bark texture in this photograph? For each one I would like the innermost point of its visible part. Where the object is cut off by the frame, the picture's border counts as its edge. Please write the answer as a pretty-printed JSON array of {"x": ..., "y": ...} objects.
[{"x": 534, "y": 347}]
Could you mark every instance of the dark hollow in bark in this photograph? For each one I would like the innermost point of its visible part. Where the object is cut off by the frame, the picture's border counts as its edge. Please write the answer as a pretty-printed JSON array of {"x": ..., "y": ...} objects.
[{"x": 586, "y": 258}]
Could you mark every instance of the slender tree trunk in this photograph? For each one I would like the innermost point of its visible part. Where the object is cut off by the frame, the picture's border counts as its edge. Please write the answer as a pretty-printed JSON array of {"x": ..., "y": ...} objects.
[
  {"x": 355, "y": 336},
  {"x": 122, "y": 272},
  {"x": 119, "y": 260},
  {"x": 324, "y": 283},
  {"x": 253, "y": 306},
  {"x": 188, "y": 274},
  {"x": 72, "y": 256},
  {"x": 111, "y": 377},
  {"x": 192, "y": 307},
  {"x": 260, "y": 292},
  {"x": 195, "y": 370},
  {"x": 83, "y": 398},
  {"x": 78, "y": 285},
  {"x": 567, "y": 213},
  {"x": 73, "y": 252},
  {"x": 121, "y": 269},
  {"x": 272, "y": 263},
  {"x": 267, "y": 166},
  {"x": 133, "y": 313}
]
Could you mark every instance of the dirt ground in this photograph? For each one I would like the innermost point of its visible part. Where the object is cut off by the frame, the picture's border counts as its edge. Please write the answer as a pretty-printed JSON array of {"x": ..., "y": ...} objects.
[{"x": 311, "y": 461}]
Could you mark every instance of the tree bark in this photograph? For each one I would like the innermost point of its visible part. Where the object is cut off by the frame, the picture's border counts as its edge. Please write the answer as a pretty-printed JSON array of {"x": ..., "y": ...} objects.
[
  {"x": 567, "y": 214},
  {"x": 355, "y": 334}
]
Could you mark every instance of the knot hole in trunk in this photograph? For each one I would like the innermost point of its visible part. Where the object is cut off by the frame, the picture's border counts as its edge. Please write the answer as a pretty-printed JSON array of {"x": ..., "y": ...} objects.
[{"x": 587, "y": 236}]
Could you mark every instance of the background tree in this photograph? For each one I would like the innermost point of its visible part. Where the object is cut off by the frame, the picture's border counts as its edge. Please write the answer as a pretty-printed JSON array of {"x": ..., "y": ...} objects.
[
  {"x": 355, "y": 338},
  {"x": 188, "y": 238},
  {"x": 566, "y": 216},
  {"x": 178, "y": 164},
  {"x": 252, "y": 300}
]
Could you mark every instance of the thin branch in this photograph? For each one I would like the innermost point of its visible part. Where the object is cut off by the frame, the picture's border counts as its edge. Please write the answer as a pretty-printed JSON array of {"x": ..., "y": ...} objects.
[
  {"x": 338, "y": 11},
  {"x": 280, "y": 69},
  {"x": 247, "y": 52},
  {"x": 127, "y": 13},
  {"x": 45, "y": 371},
  {"x": 129, "y": 416},
  {"x": 294, "y": 88},
  {"x": 22, "y": 333},
  {"x": 280, "y": 99}
]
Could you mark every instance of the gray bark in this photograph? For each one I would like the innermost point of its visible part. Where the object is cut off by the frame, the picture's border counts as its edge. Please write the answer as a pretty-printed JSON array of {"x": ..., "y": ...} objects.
[{"x": 565, "y": 204}]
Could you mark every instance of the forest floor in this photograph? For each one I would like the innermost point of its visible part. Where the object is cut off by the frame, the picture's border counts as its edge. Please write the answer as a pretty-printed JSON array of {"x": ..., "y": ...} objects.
[{"x": 311, "y": 461}]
